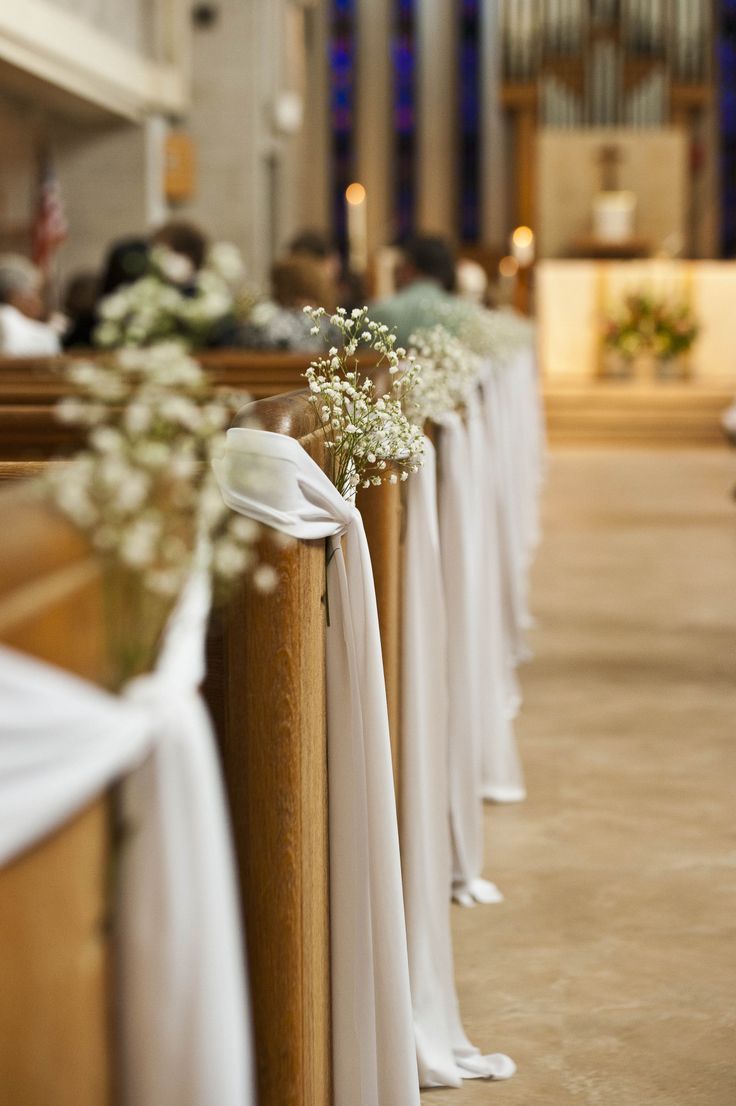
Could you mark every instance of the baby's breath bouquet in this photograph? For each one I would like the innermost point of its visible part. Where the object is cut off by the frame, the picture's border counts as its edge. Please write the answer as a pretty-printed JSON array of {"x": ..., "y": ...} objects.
[
  {"x": 489, "y": 334},
  {"x": 369, "y": 437},
  {"x": 449, "y": 373},
  {"x": 171, "y": 302},
  {"x": 143, "y": 488}
]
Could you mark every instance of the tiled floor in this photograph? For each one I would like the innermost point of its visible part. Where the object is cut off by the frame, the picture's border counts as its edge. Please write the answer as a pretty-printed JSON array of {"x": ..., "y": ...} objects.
[{"x": 609, "y": 974}]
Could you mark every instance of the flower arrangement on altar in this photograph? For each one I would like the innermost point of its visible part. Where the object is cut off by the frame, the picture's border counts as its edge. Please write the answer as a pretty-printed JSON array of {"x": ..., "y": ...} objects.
[
  {"x": 143, "y": 487},
  {"x": 449, "y": 373},
  {"x": 651, "y": 326},
  {"x": 369, "y": 436},
  {"x": 173, "y": 303}
]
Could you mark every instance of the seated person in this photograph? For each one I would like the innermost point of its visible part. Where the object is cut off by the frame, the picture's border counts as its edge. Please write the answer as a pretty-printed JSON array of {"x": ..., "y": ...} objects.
[
  {"x": 315, "y": 246},
  {"x": 348, "y": 288},
  {"x": 472, "y": 281},
  {"x": 280, "y": 323},
  {"x": 188, "y": 243},
  {"x": 22, "y": 334},
  {"x": 80, "y": 301},
  {"x": 126, "y": 262},
  {"x": 425, "y": 280}
]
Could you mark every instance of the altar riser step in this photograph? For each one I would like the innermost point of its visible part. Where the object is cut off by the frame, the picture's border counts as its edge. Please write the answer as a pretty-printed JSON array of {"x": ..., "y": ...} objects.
[{"x": 639, "y": 432}]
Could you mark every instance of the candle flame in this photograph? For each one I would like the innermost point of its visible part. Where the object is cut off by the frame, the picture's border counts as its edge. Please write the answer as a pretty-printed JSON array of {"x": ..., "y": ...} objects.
[
  {"x": 523, "y": 236},
  {"x": 355, "y": 193}
]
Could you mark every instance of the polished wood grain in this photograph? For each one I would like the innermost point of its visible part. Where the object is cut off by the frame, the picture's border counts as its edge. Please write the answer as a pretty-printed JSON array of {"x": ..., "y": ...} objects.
[
  {"x": 55, "y": 1041},
  {"x": 266, "y": 687}
]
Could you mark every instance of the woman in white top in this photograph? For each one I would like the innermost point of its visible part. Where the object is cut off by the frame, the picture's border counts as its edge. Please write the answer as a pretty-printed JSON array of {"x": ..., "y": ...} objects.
[{"x": 21, "y": 332}]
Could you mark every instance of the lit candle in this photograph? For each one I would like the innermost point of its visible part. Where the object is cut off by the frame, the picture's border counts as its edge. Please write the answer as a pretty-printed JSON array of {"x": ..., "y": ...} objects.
[
  {"x": 522, "y": 246},
  {"x": 508, "y": 270},
  {"x": 357, "y": 226}
]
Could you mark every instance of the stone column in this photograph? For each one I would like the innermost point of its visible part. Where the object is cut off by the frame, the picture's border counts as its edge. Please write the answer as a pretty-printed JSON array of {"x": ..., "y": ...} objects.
[
  {"x": 314, "y": 184},
  {"x": 373, "y": 117},
  {"x": 494, "y": 168},
  {"x": 437, "y": 116}
]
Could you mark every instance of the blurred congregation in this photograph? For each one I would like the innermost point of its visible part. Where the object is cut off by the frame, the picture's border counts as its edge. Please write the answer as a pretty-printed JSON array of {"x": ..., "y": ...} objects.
[{"x": 224, "y": 309}]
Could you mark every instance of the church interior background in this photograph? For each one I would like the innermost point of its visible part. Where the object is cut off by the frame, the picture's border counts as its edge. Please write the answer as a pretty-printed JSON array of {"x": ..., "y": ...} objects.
[
  {"x": 604, "y": 128},
  {"x": 579, "y": 156}
]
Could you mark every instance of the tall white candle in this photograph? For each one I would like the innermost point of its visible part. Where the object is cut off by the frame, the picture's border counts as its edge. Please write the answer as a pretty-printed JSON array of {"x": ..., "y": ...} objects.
[
  {"x": 522, "y": 246},
  {"x": 356, "y": 204}
]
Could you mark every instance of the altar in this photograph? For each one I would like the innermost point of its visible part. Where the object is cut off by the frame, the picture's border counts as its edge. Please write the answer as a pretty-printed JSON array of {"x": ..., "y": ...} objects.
[{"x": 575, "y": 297}]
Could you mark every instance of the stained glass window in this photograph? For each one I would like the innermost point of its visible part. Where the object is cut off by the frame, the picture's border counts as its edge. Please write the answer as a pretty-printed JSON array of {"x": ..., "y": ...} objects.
[
  {"x": 469, "y": 92},
  {"x": 342, "y": 108},
  {"x": 727, "y": 77},
  {"x": 404, "y": 115}
]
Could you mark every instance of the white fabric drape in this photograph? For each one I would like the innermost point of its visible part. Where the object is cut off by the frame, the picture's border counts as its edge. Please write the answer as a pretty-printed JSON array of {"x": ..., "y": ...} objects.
[
  {"x": 185, "y": 1032},
  {"x": 501, "y": 777},
  {"x": 507, "y": 451},
  {"x": 373, "y": 1047},
  {"x": 444, "y": 1054},
  {"x": 458, "y": 533}
]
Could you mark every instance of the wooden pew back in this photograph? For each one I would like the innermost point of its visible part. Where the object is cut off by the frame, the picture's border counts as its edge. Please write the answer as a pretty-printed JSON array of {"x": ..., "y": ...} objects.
[
  {"x": 266, "y": 689},
  {"x": 55, "y": 1040}
]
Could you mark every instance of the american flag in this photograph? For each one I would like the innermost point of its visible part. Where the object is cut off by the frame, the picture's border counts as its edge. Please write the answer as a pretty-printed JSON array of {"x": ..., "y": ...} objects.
[{"x": 49, "y": 225}]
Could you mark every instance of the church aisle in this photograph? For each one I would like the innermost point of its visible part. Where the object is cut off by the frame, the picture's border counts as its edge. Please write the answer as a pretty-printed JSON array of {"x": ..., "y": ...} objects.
[{"x": 609, "y": 973}]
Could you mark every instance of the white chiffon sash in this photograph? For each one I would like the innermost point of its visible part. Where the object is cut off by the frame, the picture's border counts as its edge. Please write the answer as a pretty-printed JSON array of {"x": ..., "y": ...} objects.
[
  {"x": 373, "y": 1046},
  {"x": 506, "y": 449},
  {"x": 458, "y": 534},
  {"x": 185, "y": 1032},
  {"x": 444, "y": 1054},
  {"x": 501, "y": 778}
]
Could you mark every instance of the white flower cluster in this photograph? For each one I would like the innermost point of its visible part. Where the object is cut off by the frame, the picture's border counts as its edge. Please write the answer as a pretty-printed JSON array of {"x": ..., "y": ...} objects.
[
  {"x": 156, "y": 308},
  {"x": 493, "y": 334},
  {"x": 449, "y": 373},
  {"x": 225, "y": 261},
  {"x": 369, "y": 436},
  {"x": 144, "y": 488}
]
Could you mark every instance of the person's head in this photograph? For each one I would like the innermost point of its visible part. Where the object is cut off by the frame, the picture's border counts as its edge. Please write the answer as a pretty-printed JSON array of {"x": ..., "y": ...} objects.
[
  {"x": 471, "y": 280},
  {"x": 183, "y": 238},
  {"x": 297, "y": 282},
  {"x": 426, "y": 257},
  {"x": 20, "y": 285},
  {"x": 126, "y": 262},
  {"x": 80, "y": 294},
  {"x": 319, "y": 247}
]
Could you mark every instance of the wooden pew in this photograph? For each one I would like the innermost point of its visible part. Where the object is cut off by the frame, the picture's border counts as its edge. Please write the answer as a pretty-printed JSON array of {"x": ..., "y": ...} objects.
[
  {"x": 266, "y": 687},
  {"x": 30, "y": 432},
  {"x": 31, "y": 387},
  {"x": 55, "y": 1011}
]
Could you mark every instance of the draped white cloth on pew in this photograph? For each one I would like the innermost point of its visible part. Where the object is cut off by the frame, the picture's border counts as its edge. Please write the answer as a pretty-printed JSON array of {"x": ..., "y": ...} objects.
[
  {"x": 373, "y": 1044},
  {"x": 458, "y": 532},
  {"x": 501, "y": 777},
  {"x": 499, "y": 394},
  {"x": 185, "y": 1032},
  {"x": 444, "y": 1054}
]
